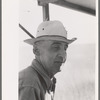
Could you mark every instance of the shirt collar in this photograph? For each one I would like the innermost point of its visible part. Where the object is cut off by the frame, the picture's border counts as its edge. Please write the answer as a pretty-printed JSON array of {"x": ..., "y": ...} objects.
[{"x": 39, "y": 68}]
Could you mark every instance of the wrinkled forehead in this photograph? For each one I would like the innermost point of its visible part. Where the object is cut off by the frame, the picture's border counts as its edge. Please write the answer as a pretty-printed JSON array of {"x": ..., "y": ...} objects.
[
  {"x": 50, "y": 43},
  {"x": 58, "y": 42},
  {"x": 54, "y": 42}
]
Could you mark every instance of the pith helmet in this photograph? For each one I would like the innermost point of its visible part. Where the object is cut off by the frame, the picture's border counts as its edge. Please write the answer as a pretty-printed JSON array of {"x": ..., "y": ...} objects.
[{"x": 50, "y": 30}]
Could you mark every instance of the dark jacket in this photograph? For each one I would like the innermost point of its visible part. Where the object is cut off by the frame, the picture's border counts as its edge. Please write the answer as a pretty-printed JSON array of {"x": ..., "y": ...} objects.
[{"x": 33, "y": 82}]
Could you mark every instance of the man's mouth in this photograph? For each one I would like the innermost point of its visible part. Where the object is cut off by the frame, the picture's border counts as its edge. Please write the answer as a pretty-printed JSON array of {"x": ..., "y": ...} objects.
[
  {"x": 59, "y": 63},
  {"x": 59, "y": 60}
]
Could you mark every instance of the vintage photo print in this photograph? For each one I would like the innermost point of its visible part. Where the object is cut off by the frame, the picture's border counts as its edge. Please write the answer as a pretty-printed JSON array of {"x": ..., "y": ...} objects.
[{"x": 63, "y": 22}]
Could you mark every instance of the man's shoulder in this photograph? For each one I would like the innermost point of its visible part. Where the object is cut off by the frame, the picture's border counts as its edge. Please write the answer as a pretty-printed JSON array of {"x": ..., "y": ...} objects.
[{"x": 28, "y": 77}]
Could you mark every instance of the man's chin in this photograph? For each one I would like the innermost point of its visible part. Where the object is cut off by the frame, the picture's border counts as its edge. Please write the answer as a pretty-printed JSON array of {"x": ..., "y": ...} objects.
[{"x": 58, "y": 70}]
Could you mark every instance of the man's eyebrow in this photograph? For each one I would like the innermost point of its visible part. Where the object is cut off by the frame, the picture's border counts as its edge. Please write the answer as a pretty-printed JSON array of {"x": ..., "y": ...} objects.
[{"x": 56, "y": 43}]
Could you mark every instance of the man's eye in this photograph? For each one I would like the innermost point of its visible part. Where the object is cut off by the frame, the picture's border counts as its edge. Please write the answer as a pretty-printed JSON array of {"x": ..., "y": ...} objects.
[{"x": 56, "y": 48}]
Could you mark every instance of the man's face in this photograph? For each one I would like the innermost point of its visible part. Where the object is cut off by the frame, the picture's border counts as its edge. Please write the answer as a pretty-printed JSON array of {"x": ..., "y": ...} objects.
[{"x": 52, "y": 55}]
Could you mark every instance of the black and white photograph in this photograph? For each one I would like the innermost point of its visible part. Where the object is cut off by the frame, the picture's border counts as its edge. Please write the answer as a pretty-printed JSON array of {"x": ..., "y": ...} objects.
[{"x": 53, "y": 55}]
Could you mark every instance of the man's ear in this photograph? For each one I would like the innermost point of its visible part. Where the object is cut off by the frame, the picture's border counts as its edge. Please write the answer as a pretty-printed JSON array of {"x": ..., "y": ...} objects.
[{"x": 36, "y": 51}]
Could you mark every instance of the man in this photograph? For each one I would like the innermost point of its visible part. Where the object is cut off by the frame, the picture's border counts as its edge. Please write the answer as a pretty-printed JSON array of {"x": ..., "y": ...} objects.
[{"x": 49, "y": 47}]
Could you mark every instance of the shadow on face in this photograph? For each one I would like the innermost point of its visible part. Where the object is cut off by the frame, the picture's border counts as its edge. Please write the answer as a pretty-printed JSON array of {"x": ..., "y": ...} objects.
[{"x": 52, "y": 54}]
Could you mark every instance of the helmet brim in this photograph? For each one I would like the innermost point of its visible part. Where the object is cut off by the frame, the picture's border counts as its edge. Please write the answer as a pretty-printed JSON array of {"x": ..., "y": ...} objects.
[{"x": 52, "y": 38}]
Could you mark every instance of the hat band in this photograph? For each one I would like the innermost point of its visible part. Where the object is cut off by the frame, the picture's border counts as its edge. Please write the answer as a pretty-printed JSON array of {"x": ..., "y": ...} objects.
[{"x": 50, "y": 37}]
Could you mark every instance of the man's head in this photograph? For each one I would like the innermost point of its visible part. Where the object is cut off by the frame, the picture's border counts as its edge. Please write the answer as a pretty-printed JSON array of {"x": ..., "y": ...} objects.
[
  {"x": 50, "y": 45},
  {"x": 51, "y": 54}
]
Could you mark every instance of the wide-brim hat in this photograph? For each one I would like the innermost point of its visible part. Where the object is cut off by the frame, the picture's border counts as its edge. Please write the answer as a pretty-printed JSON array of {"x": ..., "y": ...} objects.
[{"x": 50, "y": 30}]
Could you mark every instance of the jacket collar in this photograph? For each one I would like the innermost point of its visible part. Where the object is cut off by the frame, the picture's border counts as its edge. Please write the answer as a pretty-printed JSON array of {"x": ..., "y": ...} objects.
[{"x": 39, "y": 68}]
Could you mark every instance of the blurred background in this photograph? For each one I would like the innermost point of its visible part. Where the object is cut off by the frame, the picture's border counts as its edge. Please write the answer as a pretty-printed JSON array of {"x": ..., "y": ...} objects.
[{"x": 76, "y": 81}]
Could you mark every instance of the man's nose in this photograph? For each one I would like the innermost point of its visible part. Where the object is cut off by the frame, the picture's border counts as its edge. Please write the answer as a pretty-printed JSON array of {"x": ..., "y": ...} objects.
[{"x": 63, "y": 55}]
